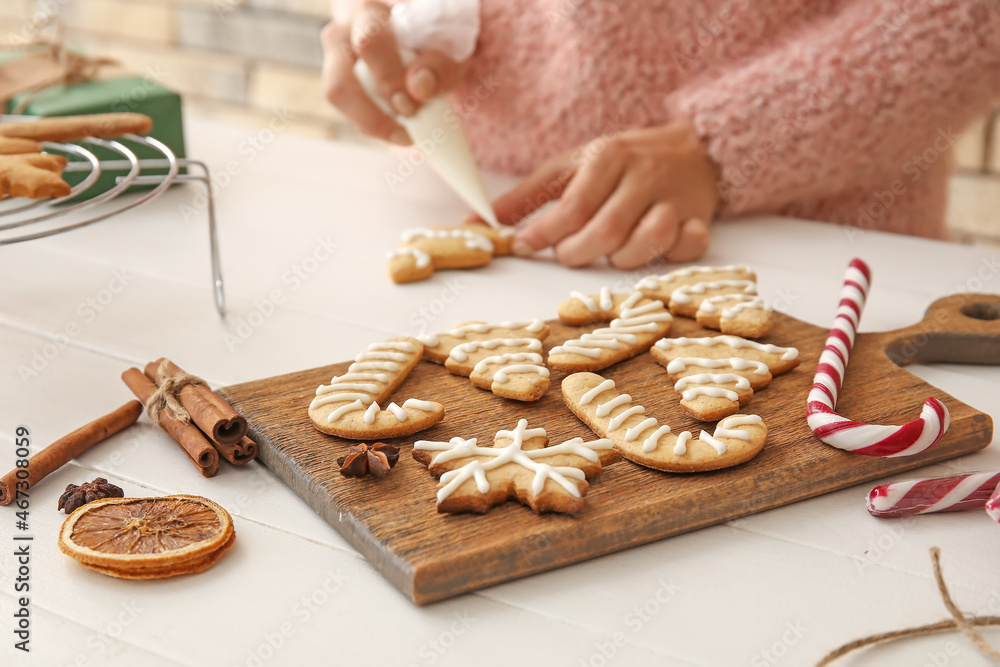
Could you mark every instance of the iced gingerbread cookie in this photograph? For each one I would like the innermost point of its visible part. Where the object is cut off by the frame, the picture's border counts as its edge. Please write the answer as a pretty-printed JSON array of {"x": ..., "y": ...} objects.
[
  {"x": 519, "y": 466},
  {"x": 778, "y": 359},
  {"x": 349, "y": 406},
  {"x": 662, "y": 287},
  {"x": 438, "y": 346},
  {"x": 711, "y": 389},
  {"x": 509, "y": 367},
  {"x": 736, "y": 314},
  {"x": 636, "y": 323},
  {"x": 719, "y": 297},
  {"x": 716, "y": 375},
  {"x": 426, "y": 250},
  {"x": 641, "y": 439},
  {"x": 712, "y": 396},
  {"x": 686, "y": 301}
]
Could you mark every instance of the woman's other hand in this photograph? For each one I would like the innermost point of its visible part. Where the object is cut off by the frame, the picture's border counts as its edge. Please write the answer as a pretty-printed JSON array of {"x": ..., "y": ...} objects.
[{"x": 633, "y": 197}]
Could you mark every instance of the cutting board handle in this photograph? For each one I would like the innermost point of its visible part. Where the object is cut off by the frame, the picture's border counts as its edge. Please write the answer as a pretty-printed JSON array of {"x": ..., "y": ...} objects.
[{"x": 962, "y": 329}]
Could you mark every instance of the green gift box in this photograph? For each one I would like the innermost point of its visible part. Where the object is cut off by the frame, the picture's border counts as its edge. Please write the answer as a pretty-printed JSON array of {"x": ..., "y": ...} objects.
[{"x": 133, "y": 93}]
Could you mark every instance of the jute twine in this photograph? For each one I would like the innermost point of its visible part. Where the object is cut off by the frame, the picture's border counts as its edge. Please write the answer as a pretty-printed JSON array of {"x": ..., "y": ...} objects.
[
  {"x": 165, "y": 396},
  {"x": 73, "y": 67},
  {"x": 958, "y": 621}
]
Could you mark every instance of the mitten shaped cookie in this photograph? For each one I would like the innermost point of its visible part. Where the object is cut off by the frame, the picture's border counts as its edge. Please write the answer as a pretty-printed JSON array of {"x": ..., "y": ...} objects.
[{"x": 349, "y": 406}]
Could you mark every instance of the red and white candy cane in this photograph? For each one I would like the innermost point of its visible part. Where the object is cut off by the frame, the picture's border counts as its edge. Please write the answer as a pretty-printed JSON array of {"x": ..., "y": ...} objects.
[
  {"x": 993, "y": 505},
  {"x": 936, "y": 494},
  {"x": 852, "y": 436}
]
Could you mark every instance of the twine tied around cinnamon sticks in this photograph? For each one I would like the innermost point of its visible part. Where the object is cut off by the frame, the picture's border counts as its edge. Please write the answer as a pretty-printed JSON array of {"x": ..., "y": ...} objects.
[
  {"x": 165, "y": 396},
  {"x": 968, "y": 625},
  {"x": 202, "y": 423}
]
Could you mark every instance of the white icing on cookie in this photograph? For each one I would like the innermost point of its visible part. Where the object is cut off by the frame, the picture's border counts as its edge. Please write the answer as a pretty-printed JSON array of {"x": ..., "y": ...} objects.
[
  {"x": 653, "y": 282},
  {"x": 530, "y": 357},
  {"x": 731, "y": 312},
  {"x": 587, "y": 301},
  {"x": 604, "y": 409},
  {"x": 501, "y": 376},
  {"x": 398, "y": 412},
  {"x": 633, "y": 320},
  {"x": 472, "y": 240},
  {"x": 476, "y": 470},
  {"x": 599, "y": 389},
  {"x": 637, "y": 430},
  {"x": 787, "y": 353},
  {"x": 680, "y": 364},
  {"x": 620, "y": 418},
  {"x": 344, "y": 409},
  {"x": 461, "y": 352},
  {"x": 420, "y": 258},
  {"x": 716, "y": 444},
  {"x": 417, "y": 404},
  {"x": 653, "y": 441},
  {"x": 701, "y": 379},
  {"x": 680, "y": 447},
  {"x": 727, "y": 427},
  {"x": 367, "y": 378},
  {"x": 484, "y": 327},
  {"x": 683, "y": 293},
  {"x": 430, "y": 340}
]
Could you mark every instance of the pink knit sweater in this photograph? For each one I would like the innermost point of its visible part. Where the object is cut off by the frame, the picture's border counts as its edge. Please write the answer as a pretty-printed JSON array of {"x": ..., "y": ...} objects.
[{"x": 837, "y": 110}]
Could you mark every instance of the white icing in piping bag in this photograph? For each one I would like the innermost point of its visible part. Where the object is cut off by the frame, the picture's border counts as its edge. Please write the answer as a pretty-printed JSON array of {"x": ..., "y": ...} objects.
[{"x": 451, "y": 26}]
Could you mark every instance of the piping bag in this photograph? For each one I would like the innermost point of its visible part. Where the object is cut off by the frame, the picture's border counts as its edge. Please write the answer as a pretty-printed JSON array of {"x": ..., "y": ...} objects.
[{"x": 450, "y": 26}]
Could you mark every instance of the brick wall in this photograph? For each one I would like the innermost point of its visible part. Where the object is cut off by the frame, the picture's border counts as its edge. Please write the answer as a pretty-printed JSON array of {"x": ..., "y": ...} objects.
[
  {"x": 238, "y": 60},
  {"x": 233, "y": 59}
]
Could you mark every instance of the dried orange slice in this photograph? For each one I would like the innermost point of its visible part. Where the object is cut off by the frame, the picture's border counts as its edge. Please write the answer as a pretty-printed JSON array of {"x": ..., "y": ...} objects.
[{"x": 147, "y": 538}]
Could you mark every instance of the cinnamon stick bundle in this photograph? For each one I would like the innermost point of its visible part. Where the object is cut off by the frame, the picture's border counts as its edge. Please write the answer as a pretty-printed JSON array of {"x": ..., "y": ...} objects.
[
  {"x": 190, "y": 439},
  {"x": 225, "y": 427},
  {"x": 68, "y": 447},
  {"x": 216, "y": 418}
]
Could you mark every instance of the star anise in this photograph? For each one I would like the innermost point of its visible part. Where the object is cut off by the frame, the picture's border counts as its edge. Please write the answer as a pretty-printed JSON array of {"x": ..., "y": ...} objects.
[
  {"x": 76, "y": 496},
  {"x": 362, "y": 460}
]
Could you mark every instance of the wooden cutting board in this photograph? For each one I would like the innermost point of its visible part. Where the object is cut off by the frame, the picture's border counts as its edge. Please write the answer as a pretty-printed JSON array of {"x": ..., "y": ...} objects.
[{"x": 429, "y": 556}]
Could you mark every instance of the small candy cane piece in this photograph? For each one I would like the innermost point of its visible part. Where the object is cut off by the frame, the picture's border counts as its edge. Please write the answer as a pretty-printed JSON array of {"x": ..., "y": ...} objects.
[
  {"x": 858, "y": 437},
  {"x": 993, "y": 505},
  {"x": 936, "y": 494}
]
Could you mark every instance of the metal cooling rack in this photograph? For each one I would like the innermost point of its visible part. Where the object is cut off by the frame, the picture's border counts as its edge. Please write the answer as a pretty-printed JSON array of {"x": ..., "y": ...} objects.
[{"x": 26, "y": 220}]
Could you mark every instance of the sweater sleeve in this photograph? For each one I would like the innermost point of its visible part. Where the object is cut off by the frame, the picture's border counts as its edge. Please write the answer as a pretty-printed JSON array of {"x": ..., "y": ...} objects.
[{"x": 851, "y": 101}]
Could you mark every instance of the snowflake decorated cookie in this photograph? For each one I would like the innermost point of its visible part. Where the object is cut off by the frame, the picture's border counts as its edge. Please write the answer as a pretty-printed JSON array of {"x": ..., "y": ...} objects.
[{"x": 518, "y": 466}]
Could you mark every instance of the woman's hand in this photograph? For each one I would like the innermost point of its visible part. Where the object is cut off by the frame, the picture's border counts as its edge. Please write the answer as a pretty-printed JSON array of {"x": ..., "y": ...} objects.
[
  {"x": 368, "y": 35},
  {"x": 633, "y": 197}
]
